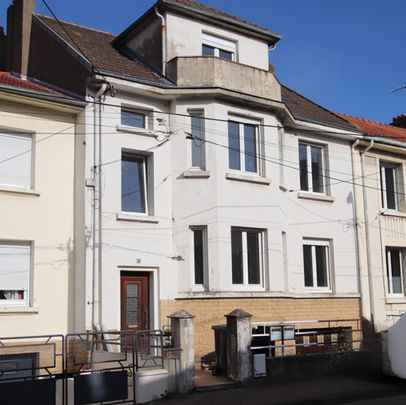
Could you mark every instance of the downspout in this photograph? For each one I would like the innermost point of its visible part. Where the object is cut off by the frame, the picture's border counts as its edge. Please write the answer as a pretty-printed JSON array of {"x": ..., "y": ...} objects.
[
  {"x": 367, "y": 232},
  {"x": 163, "y": 31},
  {"x": 97, "y": 205},
  {"x": 356, "y": 224}
]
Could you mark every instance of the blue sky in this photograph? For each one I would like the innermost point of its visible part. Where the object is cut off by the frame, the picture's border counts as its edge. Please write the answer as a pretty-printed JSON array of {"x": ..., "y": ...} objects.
[{"x": 347, "y": 55}]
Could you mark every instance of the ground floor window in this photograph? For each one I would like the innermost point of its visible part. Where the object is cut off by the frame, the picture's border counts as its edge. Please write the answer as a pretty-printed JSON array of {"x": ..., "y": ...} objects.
[
  {"x": 200, "y": 254},
  {"x": 394, "y": 267},
  {"x": 247, "y": 246},
  {"x": 316, "y": 263}
]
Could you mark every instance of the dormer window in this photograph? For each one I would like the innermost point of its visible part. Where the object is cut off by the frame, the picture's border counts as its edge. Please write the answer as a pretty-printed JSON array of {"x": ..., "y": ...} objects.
[{"x": 218, "y": 47}]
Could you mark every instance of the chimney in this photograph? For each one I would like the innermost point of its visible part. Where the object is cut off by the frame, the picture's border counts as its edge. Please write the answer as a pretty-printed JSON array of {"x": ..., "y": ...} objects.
[
  {"x": 19, "y": 20},
  {"x": 399, "y": 121}
]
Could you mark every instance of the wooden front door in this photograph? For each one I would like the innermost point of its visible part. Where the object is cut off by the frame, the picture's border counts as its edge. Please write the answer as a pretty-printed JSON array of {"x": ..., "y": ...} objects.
[{"x": 134, "y": 302}]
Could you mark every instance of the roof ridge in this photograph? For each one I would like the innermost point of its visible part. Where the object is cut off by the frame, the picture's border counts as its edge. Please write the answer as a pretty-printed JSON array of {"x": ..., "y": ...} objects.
[{"x": 75, "y": 25}]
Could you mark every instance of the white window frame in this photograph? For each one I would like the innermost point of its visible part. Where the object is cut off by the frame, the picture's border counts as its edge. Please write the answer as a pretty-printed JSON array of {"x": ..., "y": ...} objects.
[
  {"x": 28, "y": 293},
  {"x": 145, "y": 179},
  {"x": 200, "y": 113},
  {"x": 389, "y": 271},
  {"x": 219, "y": 43},
  {"x": 26, "y": 134},
  {"x": 245, "y": 286},
  {"x": 313, "y": 243},
  {"x": 309, "y": 173},
  {"x": 258, "y": 149},
  {"x": 205, "y": 285},
  {"x": 384, "y": 199},
  {"x": 133, "y": 109}
]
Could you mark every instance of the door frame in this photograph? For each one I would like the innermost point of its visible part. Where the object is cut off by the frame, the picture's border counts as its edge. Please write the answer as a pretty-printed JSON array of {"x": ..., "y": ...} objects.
[{"x": 153, "y": 281}]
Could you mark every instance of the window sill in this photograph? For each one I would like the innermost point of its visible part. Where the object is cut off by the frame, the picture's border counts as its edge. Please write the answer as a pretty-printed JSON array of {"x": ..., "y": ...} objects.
[
  {"x": 18, "y": 310},
  {"x": 196, "y": 174},
  {"x": 315, "y": 197},
  {"x": 122, "y": 216},
  {"x": 135, "y": 130},
  {"x": 396, "y": 300},
  {"x": 248, "y": 178},
  {"x": 19, "y": 191},
  {"x": 393, "y": 213}
]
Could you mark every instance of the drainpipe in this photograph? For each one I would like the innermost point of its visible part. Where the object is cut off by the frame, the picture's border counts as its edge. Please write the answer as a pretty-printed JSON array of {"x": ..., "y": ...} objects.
[
  {"x": 163, "y": 30},
  {"x": 97, "y": 205},
  {"x": 367, "y": 231}
]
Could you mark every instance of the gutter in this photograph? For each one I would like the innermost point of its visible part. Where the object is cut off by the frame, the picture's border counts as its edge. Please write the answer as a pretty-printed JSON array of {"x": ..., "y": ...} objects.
[{"x": 42, "y": 96}]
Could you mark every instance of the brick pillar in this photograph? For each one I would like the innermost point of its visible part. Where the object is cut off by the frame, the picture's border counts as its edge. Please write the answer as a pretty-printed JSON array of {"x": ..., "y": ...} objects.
[
  {"x": 239, "y": 333},
  {"x": 183, "y": 335}
]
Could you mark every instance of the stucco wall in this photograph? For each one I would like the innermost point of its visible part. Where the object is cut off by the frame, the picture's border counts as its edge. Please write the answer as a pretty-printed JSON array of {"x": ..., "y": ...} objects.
[{"x": 46, "y": 220}]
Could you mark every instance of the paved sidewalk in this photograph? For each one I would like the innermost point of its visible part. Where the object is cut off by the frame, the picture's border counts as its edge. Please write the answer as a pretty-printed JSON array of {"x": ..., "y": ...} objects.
[{"x": 319, "y": 390}]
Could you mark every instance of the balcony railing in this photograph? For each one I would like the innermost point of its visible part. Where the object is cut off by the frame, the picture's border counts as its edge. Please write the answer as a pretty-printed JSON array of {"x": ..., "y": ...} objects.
[{"x": 207, "y": 72}]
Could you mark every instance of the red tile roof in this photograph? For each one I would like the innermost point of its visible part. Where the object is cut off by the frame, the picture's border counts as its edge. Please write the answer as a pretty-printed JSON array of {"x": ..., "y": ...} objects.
[
  {"x": 378, "y": 129},
  {"x": 99, "y": 51},
  {"x": 8, "y": 79}
]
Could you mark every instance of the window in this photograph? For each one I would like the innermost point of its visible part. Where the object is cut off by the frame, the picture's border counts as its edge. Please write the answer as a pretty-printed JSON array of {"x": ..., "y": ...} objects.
[
  {"x": 134, "y": 183},
  {"x": 133, "y": 118},
  {"x": 316, "y": 263},
  {"x": 15, "y": 264},
  {"x": 198, "y": 143},
  {"x": 16, "y": 160},
  {"x": 247, "y": 246},
  {"x": 390, "y": 186},
  {"x": 200, "y": 254},
  {"x": 219, "y": 47},
  {"x": 243, "y": 147},
  {"x": 394, "y": 266},
  {"x": 312, "y": 168}
]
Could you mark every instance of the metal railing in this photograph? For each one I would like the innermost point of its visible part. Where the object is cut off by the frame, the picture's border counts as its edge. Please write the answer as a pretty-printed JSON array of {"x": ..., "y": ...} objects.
[{"x": 292, "y": 338}]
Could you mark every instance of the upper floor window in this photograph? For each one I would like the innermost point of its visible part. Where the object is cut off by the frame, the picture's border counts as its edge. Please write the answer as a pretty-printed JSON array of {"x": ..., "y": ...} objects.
[
  {"x": 312, "y": 167},
  {"x": 134, "y": 118},
  {"x": 15, "y": 265},
  {"x": 219, "y": 47},
  {"x": 200, "y": 254},
  {"x": 394, "y": 267},
  {"x": 134, "y": 196},
  {"x": 16, "y": 160},
  {"x": 243, "y": 147},
  {"x": 198, "y": 142},
  {"x": 247, "y": 255},
  {"x": 316, "y": 263},
  {"x": 390, "y": 186}
]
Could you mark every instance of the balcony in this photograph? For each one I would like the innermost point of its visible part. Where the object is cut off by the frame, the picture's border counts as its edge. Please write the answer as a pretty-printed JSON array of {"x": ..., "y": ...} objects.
[{"x": 208, "y": 71}]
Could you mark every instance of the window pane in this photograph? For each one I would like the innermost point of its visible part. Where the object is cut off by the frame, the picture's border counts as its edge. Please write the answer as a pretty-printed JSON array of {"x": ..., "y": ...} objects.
[
  {"x": 234, "y": 145},
  {"x": 304, "y": 183},
  {"x": 390, "y": 179},
  {"x": 250, "y": 148},
  {"x": 198, "y": 144},
  {"x": 308, "y": 267},
  {"x": 207, "y": 50},
  {"x": 132, "y": 185},
  {"x": 198, "y": 255},
  {"x": 237, "y": 265},
  {"x": 395, "y": 257},
  {"x": 317, "y": 169},
  {"x": 321, "y": 266},
  {"x": 133, "y": 119},
  {"x": 225, "y": 54},
  {"x": 15, "y": 157},
  {"x": 254, "y": 267},
  {"x": 14, "y": 271}
]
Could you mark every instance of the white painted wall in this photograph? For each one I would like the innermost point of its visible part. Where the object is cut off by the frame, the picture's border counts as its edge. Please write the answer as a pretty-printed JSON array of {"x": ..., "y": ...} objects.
[
  {"x": 184, "y": 38},
  {"x": 46, "y": 219}
]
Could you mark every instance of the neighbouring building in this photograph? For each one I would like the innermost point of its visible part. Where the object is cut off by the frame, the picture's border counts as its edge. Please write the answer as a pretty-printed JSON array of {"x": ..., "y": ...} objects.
[
  {"x": 37, "y": 161},
  {"x": 203, "y": 183},
  {"x": 379, "y": 172}
]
